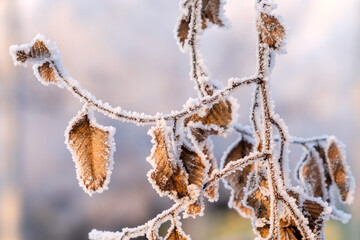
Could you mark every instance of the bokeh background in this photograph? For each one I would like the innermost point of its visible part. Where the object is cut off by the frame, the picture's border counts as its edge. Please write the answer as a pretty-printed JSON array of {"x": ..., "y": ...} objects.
[{"x": 125, "y": 53}]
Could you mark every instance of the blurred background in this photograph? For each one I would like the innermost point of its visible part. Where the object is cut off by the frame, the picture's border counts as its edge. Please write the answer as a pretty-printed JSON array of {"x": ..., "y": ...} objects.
[{"x": 124, "y": 52}]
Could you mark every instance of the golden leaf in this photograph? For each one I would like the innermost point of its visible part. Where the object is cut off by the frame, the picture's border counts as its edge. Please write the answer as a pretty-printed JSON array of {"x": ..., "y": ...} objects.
[
  {"x": 338, "y": 169},
  {"x": 311, "y": 176},
  {"x": 237, "y": 181},
  {"x": 167, "y": 176},
  {"x": 176, "y": 234},
  {"x": 90, "y": 145},
  {"x": 270, "y": 30},
  {"x": 47, "y": 73}
]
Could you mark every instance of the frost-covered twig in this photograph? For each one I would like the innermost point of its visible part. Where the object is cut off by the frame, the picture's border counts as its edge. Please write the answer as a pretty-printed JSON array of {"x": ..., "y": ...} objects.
[{"x": 255, "y": 167}]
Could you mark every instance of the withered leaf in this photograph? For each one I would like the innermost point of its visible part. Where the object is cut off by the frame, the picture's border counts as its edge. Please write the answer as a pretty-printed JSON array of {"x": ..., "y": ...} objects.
[
  {"x": 176, "y": 234},
  {"x": 289, "y": 230},
  {"x": 311, "y": 176},
  {"x": 209, "y": 12},
  {"x": 193, "y": 164},
  {"x": 212, "y": 192},
  {"x": 168, "y": 177},
  {"x": 37, "y": 51},
  {"x": 270, "y": 30},
  {"x": 312, "y": 210},
  {"x": 47, "y": 74},
  {"x": 183, "y": 30},
  {"x": 337, "y": 167},
  {"x": 220, "y": 114},
  {"x": 91, "y": 146},
  {"x": 260, "y": 206},
  {"x": 328, "y": 181},
  {"x": 195, "y": 208},
  {"x": 237, "y": 181}
]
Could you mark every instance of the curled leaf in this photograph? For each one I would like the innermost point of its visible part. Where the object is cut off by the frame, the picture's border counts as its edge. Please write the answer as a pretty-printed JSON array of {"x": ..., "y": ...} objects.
[
  {"x": 237, "y": 181},
  {"x": 167, "y": 176},
  {"x": 271, "y": 31},
  {"x": 92, "y": 147},
  {"x": 339, "y": 170}
]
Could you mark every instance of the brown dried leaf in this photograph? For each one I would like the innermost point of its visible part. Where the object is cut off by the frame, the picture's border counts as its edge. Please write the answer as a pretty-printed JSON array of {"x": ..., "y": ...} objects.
[
  {"x": 337, "y": 169},
  {"x": 259, "y": 204},
  {"x": 176, "y": 234},
  {"x": 183, "y": 30},
  {"x": 219, "y": 114},
  {"x": 311, "y": 176},
  {"x": 167, "y": 176},
  {"x": 194, "y": 166},
  {"x": 39, "y": 50},
  {"x": 90, "y": 148},
  {"x": 195, "y": 208},
  {"x": 210, "y": 11},
  {"x": 47, "y": 73},
  {"x": 212, "y": 192},
  {"x": 238, "y": 180},
  {"x": 312, "y": 210},
  {"x": 289, "y": 230},
  {"x": 328, "y": 181},
  {"x": 270, "y": 30}
]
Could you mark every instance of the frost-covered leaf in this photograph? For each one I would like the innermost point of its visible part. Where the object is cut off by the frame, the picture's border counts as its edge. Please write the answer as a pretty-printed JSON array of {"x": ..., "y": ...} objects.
[
  {"x": 176, "y": 233},
  {"x": 311, "y": 175},
  {"x": 183, "y": 30},
  {"x": 193, "y": 164},
  {"x": 328, "y": 181},
  {"x": 237, "y": 181},
  {"x": 92, "y": 147},
  {"x": 210, "y": 12},
  {"x": 220, "y": 114},
  {"x": 259, "y": 202},
  {"x": 314, "y": 210},
  {"x": 339, "y": 170},
  {"x": 288, "y": 230},
  {"x": 195, "y": 208},
  {"x": 271, "y": 31},
  {"x": 167, "y": 176},
  {"x": 212, "y": 193},
  {"x": 46, "y": 73},
  {"x": 39, "y": 49}
]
